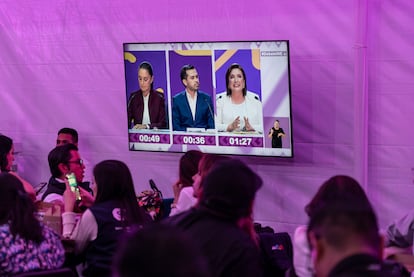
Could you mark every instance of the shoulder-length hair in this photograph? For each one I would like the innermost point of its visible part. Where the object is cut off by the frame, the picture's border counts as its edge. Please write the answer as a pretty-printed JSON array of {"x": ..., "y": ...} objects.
[
  {"x": 335, "y": 188},
  {"x": 18, "y": 210},
  {"x": 114, "y": 183},
  {"x": 233, "y": 66},
  {"x": 189, "y": 167}
]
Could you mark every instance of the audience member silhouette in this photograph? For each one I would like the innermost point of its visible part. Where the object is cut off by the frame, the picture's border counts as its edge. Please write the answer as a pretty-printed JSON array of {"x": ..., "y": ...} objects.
[
  {"x": 67, "y": 135},
  {"x": 65, "y": 159},
  {"x": 343, "y": 233},
  {"x": 115, "y": 208},
  {"x": 221, "y": 223},
  {"x": 205, "y": 165},
  {"x": 183, "y": 188},
  {"x": 25, "y": 244}
]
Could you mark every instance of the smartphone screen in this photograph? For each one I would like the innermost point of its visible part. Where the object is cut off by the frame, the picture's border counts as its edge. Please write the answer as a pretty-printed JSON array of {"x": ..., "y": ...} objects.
[{"x": 73, "y": 185}]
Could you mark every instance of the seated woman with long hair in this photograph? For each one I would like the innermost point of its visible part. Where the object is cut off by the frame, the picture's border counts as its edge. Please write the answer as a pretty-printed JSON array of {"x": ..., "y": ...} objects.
[
  {"x": 6, "y": 161},
  {"x": 25, "y": 244},
  {"x": 183, "y": 189},
  {"x": 97, "y": 232}
]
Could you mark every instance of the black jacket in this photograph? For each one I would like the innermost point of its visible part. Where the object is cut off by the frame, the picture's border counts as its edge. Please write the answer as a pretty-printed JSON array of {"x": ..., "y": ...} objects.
[{"x": 363, "y": 265}]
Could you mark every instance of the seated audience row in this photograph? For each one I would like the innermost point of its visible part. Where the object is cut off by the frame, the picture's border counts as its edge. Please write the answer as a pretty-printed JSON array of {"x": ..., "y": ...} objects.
[{"x": 209, "y": 233}]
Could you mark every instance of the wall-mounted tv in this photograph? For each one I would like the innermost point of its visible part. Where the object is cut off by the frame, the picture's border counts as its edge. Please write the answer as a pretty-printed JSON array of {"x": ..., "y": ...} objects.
[{"x": 218, "y": 97}]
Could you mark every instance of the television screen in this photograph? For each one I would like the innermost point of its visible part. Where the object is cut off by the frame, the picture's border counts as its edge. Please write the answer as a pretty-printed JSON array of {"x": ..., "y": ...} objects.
[{"x": 217, "y": 97}]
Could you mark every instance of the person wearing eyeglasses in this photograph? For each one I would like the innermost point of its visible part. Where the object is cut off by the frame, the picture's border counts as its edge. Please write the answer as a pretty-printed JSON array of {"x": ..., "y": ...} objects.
[
  {"x": 70, "y": 135},
  {"x": 63, "y": 160}
]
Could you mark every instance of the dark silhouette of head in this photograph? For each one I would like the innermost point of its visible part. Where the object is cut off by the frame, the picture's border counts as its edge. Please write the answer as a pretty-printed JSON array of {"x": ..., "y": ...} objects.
[
  {"x": 342, "y": 221},
  {"x": 73, "y": 136},
  {"x": 60, "y": 155},
  {"x": 204, "y": 167},
  {"x": 189, "y": 166},
  {"x": 114, "y": 182},
  {"x": 229, "y": 189}
]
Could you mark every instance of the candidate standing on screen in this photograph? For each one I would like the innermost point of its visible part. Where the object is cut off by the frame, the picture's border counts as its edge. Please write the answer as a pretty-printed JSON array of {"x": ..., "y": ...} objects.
[
  {"x": 192, "y": 108},
  {"x": 146, "y": 107},
  {"x": 238, "y": 110},
  {"x": 276, "y": 134}
]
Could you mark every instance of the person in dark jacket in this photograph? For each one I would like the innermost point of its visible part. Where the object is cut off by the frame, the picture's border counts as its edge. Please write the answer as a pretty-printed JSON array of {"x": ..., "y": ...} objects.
[{"x": 221, "y": 223}]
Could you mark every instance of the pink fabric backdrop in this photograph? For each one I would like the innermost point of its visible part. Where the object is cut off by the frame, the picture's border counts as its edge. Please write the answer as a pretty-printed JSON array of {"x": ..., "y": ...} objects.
[{"x": 61, "y": 64}]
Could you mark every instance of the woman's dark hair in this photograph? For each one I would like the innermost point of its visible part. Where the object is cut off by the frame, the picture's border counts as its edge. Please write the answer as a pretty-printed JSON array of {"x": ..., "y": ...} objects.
[
  {"x": 333, "y": 189},
  {"x": 340, "y": 212},
  {"x": 189, "y": 167},
  {"x": 18, "y": 210},
  {"x": 60, "y": 154},
  {"x": 208, "y": 161},
  {"x": 148, "y": 67},
  {"x": 114, "y": 182},
  {"x": 5, "y": 147},
  {"x": 233, "y": 66}
]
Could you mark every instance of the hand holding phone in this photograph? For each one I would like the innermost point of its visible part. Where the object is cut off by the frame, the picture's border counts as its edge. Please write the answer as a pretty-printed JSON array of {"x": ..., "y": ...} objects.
[{"x": 74, "y": 185}]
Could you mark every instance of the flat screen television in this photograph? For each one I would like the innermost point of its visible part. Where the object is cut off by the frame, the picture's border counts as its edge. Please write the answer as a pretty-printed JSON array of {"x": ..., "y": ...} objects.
[{"x": 228, "y": 98}]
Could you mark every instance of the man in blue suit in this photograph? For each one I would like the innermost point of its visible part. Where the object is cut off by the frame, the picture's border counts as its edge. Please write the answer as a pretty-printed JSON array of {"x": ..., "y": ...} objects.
[{"x": 192, "y": 108}]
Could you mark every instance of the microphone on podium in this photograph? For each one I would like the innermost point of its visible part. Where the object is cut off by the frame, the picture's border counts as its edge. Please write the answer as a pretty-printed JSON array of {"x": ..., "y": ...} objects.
[{"x": 209, "y": 108}]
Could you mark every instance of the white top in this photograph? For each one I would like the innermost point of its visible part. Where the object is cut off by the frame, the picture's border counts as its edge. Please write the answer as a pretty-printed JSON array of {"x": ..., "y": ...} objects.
[
  {"x": 145, "y": 115},
  {"x": 52, "y": 197},
  {"x": 192, "y": 101},
  {"x": 301, "y": 253},
  {"x": 82, "y": 231},
  {"x": 227, "y": 112},
  {"x": 185, "y": 201}
]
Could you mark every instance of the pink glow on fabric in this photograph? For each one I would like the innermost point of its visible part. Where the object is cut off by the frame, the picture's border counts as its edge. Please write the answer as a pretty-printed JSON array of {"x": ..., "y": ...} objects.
[{"x": 61, "y": 64}]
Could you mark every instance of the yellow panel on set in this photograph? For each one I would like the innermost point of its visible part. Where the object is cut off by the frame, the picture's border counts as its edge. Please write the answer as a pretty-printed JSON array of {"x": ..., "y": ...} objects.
[
  {"x": 129, "y": 57},
  {"x": 224, "y": 58},
  {"x": 193, "y": 52},
  {"x": 256, "y": 58}
]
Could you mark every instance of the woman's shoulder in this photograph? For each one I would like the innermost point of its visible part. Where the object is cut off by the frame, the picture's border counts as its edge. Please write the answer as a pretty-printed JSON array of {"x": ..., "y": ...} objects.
[
  {"x": 157, "y": 94},
  {"x": 188, "y": 192},
  {"x": 252, "y": 96},
  {"x": 221, "y": 96}
]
